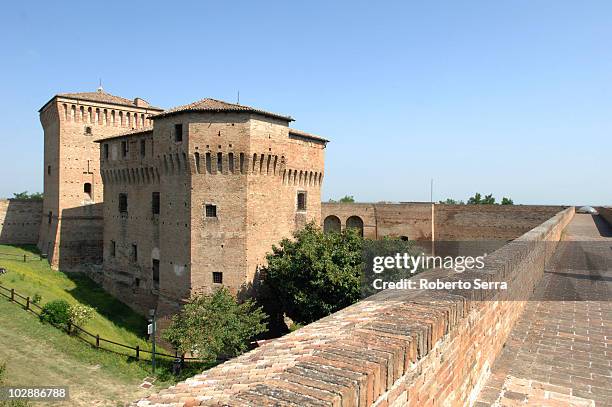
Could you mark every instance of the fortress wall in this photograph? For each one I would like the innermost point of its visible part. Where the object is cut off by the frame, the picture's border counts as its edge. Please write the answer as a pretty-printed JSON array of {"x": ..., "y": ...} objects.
[
  {"x": 395, "y": 348},
  {"x": 606, "y": 213},
  {"x": 488, "y": 222},
  {"x": 452, "y": 222},
  {"x": 20, "y": 221}
]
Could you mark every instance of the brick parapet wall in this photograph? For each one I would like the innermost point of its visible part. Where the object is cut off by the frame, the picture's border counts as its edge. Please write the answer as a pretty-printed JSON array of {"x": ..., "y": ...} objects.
[
  {"x": 20, "y": 221},
  {"x": 606, "y": 214},
  {"x": 395, "y": 348}
]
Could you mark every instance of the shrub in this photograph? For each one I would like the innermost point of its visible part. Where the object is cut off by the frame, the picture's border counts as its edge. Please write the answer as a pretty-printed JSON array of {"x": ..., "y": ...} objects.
[
  {"x": 80, "y": 314},
  {"x": 36, "y": 299},
  {"x": 56, "y": 312}
]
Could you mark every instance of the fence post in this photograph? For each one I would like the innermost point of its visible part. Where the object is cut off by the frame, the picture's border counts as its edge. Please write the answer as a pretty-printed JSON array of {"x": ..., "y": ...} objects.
[
  {"x": 28, "y": 304},
  {"x": 137, "y": 352},
  {"x": 12, "y": 294},
  {"x": 69, "y": 327},
  {"x": 98, "y": 341},
  {"x": 24, "y": 258}
]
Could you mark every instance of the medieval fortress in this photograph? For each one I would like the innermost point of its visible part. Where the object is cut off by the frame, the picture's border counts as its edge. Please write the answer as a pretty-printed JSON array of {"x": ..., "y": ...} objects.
[{"x": 158, "y": 204}]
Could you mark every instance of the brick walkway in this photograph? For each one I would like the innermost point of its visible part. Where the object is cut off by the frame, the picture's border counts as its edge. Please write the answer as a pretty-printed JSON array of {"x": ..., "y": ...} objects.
[{"x": 559, "y": 353}]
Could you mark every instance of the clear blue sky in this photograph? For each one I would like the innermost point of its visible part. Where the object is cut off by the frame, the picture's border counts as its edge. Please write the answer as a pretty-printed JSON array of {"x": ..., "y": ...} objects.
[{"x": 508, "y": 97}]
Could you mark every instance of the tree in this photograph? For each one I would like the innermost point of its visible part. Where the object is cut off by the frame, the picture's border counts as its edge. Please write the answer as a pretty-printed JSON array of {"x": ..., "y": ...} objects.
[
  {"x": 316, "y": 273},
  {"x": 215, "y": 324},
  {"x": 488, "y": 200},
  {"x": 36, "y": 196},
  {"x": 344, "y": 199},
  {"x": 507, "y": 201},
  {"x": 475, "y": 200},
  {"x": 450, "y": 201}
]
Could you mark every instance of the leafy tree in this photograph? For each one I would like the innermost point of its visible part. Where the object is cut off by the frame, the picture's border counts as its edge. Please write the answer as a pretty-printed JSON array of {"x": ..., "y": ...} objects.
[
  {"x": 316, "y": 273},
  {"x": 488, "y": 200},
  {"x": 507, "y": 201},
  {"x": 215, "y": 324},
  {"x": 450, "y": 201},
  {"x": 36, "y": 196},
  {"x": 347, "y": 199},
  {"x": 344, "y": 199},
  {"x": 475, "y": 200}
]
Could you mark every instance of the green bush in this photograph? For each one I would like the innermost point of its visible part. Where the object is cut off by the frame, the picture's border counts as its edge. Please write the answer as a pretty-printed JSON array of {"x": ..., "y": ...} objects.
[{"x": 56, "y": 312}]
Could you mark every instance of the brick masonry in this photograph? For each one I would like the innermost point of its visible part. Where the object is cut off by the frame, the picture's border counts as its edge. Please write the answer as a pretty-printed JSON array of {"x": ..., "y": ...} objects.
[
  {"x": 249, "y": 166},
  {"x": 396, "y": 348},
  {"x": 20, "y": 221},
  {"x": 452, "y": 222}
]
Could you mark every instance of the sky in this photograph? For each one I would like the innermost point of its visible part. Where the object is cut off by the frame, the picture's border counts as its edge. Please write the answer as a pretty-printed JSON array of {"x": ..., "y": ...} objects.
[{"x": 511, "y": 98}]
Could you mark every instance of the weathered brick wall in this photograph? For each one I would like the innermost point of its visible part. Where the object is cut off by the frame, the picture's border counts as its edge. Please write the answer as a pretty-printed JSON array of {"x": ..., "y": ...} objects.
[
  {"x": 20, "y": 221},
  {"x": 395, "y": 348},
  {"x": 606, "y": 214},
  {"x": 246, "y": 165},
  {"x": 452, "y": 222}
]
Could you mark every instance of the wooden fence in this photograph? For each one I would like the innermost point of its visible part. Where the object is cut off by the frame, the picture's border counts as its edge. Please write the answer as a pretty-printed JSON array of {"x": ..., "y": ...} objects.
[{"x": 96, "y": 340}]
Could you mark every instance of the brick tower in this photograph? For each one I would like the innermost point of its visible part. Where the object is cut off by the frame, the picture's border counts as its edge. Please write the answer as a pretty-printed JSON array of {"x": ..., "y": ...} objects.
[
  {"x": 197, "y": 201},
  {"x": 72, "y": 226}
]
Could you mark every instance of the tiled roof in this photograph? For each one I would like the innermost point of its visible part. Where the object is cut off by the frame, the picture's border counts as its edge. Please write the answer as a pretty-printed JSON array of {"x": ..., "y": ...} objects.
[
  {"x": 214, "y": 105},
  {"x": 102, "y": 97},
  {"x": 311, "y": 136},
  {"x": 132, "y": 132}
]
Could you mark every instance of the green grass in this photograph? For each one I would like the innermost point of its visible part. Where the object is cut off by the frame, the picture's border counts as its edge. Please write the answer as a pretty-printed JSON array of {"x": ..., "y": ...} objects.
[
  {"x": 40, "y": 354},
  {"x": 113, "y": 320}
]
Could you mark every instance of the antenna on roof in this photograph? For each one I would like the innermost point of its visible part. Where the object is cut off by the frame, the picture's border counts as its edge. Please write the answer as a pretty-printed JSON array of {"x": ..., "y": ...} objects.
[
  {"x": 238, "y": 102},
  {"x": 100, "y": 88}
]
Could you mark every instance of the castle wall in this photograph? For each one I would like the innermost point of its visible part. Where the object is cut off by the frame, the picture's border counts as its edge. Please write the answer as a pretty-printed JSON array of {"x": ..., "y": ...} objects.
[
  {"x": 20, "y": 221},
  {"x": 451, "y": 222}
]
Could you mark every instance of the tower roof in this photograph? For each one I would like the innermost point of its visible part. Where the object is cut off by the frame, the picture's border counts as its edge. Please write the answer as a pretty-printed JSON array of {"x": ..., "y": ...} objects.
[
  {"x": 214, "y": 105},
  {"x": 103, "y": 97}
]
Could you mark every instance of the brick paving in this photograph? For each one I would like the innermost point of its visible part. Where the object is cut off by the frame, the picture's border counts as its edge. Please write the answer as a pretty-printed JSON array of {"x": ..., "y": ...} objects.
[{"x": 558, "y": 353}]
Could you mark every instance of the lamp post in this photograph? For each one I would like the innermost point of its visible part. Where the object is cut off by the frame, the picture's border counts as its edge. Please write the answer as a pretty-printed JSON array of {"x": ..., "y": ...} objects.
[{"x": 152, "y": 332}]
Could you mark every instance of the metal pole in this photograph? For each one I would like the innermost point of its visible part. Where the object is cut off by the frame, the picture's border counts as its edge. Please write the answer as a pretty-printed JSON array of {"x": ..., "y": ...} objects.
[{"x": 153, "y": 345}]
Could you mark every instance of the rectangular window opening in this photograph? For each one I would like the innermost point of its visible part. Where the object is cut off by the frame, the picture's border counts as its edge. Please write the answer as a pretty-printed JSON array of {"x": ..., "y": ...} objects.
[
  {"x": 217, "y": 277},
  {"x": 134, "y": 252},
  {"x": 143, "y": 148},
  {"x": 155, "y": 203},
  {"x": 301, "y": 201},
  {"x": 113, "y": 248},
  {"x": 155, "y": 273},
  {"x": 123, "y": 203},
  {"x": 178, "y": 132},
  {"x": 211, "y": 211}
]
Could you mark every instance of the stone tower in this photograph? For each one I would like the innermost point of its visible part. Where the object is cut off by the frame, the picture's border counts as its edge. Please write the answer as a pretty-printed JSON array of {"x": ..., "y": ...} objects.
[
  {"x": 71, "y": 230},
  {"x": 198, "y": 201}
]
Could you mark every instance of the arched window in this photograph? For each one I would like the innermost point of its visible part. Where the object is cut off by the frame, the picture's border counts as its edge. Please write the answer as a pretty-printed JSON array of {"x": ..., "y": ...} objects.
[
  {"x": 355, "y": 222},
  {"x": 331, "y": 224}
]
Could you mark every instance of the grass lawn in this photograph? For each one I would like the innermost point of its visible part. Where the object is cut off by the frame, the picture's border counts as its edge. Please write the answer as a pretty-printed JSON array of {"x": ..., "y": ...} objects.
[
  {"x": 113, "y": 319},
  {"x": 40, "y": 354}
]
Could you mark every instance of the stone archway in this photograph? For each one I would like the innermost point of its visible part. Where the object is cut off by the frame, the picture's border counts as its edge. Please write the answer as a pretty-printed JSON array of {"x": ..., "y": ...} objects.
[
  {"x": 355, "y": 222},
  {"x": 332, "y": 224}
]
